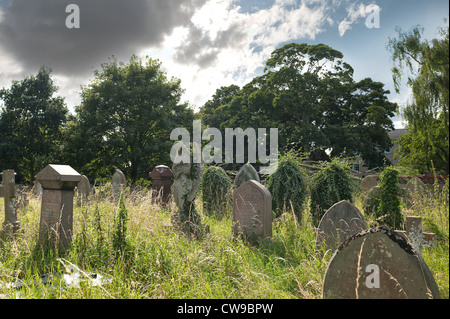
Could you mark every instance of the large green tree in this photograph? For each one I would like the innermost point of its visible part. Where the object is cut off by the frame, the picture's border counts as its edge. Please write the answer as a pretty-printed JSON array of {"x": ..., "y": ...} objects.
[
  {"x": 125, "y": 119},
  {"x": 426, "y": 63},
  {"x": 31, "y": 120},
  {"x": 308, "y": 93}
]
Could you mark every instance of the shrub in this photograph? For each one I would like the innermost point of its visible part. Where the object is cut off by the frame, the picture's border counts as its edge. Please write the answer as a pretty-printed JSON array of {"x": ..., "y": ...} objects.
[
  {"x": 288, "y": 187},
  {"x": 215, "y": 188},
  {"x": 389, "y": 211},
  {"x": 329, "y": 186}
]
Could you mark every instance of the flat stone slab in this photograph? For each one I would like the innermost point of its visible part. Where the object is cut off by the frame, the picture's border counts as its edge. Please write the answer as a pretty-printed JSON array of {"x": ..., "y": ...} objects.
[{"x": 378, "y": 264}]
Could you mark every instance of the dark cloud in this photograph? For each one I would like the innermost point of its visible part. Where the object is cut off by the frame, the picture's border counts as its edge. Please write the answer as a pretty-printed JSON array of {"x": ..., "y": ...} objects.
[
  {"x": 35, "y": 34},
  {"x": 200, "y": 49}
]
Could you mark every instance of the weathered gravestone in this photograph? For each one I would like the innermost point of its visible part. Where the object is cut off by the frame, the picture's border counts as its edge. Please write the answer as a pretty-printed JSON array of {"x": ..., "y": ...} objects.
[
  {"x": 8, "y": 190},
  {"x": 378, "y": 264},
  {"x": 246, "y": 173},
  {"x": 118, "y": 183},
  {"x": 56, "y": 224},
  {"x": 367, "y": 183},
  {"x": 37, "y": 189},
  {"x": 84, "y": 187},
  {"x": 187, "y": 179},
  {"x": 341, "y": 220},
  {"x": 416, "y": 187},
  {"x": 417, "y": 238},
  {"x": 161, "y": 183},
  {"x": 252, "y": 211}
]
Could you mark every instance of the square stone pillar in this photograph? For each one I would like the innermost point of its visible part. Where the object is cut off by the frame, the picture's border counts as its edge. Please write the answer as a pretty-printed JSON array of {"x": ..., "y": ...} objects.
[{"x": 56, "y": 224}]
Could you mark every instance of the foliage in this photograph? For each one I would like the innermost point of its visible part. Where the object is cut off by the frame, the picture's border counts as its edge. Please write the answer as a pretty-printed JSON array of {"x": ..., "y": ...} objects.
[
  {"x": 216, "y": 187},
  {"x": 125, "y": 119},
  {"x": 389, "y": 211},
  {"x": 426, "y": 141},
  {"x": 308, "y": 93},
  {"x": 328, "y": 187},
  {"x": 288, "y": 187},
  {"x": 120, "y": 241},
  {"x": 167, "y": 265},
  {"x": 31, "y": 123}
]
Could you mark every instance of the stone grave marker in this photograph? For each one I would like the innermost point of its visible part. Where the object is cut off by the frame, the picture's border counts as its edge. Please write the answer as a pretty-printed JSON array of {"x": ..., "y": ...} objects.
[
  {"x": 84, "y": 187},
  {"x": 11, "y": 225},
  {"x": 417, "y": 238},
  {"x": 56, "y": 223},
  {"x": 37, "y": 189},
  {"x": 341, "y": 220},
  {"x": 252, "y": 211},
  {"x": 367, "y": 183},
  {"x": 246, "y": 173},
  {"x": 161, "y": 183},
  {"x": 118, "y": 183},
  {"x": 378, "y": 264},
  {"x": 415, "y": 186}
]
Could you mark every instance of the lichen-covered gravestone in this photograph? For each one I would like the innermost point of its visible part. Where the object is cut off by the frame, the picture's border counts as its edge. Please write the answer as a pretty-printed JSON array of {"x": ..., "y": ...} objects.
[
  {"x": 341, "y": 220},
  {"x": 84, "y": 187},
  {"x": 368, "y": 183},
  {"x": 252, "y": 211},
  {"x": 118, "y": 183},
  {"x": 11, "y": 225},
  {"x": 378, "y": 264},
  {"x": 246, "y": 173},
  {"x": 56, "y": 224},
  {"x": 187, "y": 179}
]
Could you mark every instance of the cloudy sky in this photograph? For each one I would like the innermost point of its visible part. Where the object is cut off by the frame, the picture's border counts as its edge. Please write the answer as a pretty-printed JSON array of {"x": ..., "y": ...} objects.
[{"x": 205, "y": 43}]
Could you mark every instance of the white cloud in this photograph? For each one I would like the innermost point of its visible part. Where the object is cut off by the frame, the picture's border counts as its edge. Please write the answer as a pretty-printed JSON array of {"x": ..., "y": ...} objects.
[
  {"x": 225, "y": 46},
  {"x": 354, "y": 13}
]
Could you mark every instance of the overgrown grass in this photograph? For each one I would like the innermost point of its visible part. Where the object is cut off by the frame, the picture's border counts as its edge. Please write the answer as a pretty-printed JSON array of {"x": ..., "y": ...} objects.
[{"x": 164, "y": 264}]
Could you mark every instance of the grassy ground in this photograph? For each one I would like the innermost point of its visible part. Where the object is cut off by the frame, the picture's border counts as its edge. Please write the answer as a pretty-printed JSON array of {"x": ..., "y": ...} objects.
[{"x": 164, "y": 264}]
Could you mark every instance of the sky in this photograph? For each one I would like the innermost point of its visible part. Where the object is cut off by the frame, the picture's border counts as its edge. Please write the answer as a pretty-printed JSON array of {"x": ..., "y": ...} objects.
[{"x": 205, "y": 43}]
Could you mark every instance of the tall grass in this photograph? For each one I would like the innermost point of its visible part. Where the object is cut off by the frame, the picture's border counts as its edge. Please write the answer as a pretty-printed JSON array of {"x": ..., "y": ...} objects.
[{"x": 163, "y": 264}]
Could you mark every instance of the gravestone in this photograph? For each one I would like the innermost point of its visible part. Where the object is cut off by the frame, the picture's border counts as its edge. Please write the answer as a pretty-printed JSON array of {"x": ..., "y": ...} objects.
[
  {"x": 341, "y": 220},
  {"x": 417, "y": 238},
  {"x": 11, "y": 225},
  {"x": 187, "y": 179},
  {"x": 367, "y": 183},
  {"x": 378, "y": 264},
  {"x": 252, "y": 211},
  {"x": 161, "y": 183},
  {"x": 56, "y": 224},
  {"x": 246, "y": 173},
  {"x": 415, "y": 186},
  {"x": 37, "y": 189},
  {"x": 84, "y": 187},
  {"x": 118, "y": 183}
]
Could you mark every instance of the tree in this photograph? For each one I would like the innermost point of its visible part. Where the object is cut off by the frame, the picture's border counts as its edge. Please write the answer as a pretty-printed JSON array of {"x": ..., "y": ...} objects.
[
  {"x": 125, "y": 119},
  {"x": 328, "y": 187},
  {"x": 426, "y": 142},
  {"x": 308, "y": 93},
  {"x": 31, "y": 123}
]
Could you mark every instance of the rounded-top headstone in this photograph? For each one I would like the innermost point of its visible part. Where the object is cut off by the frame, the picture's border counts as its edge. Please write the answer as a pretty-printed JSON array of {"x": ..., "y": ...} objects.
[
  {"x": 341, "y": 220},
  {"x": 416, "y": 186},
  {"x": 161, "y": 172},
  {"x": 246, "y": 173},
  {"x": 368, "y": 183},
  {"x": 84, "y": 186},
  {"x": 378, "y": 264}
]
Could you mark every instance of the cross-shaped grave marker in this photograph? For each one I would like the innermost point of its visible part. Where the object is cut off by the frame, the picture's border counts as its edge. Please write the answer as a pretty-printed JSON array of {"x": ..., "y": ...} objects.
[
  {"x": 8, "y": 191},
  {"x": 419, "y": 239}
]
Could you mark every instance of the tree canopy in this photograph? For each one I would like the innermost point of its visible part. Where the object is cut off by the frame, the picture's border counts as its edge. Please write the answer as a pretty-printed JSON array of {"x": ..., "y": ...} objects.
[
  {"x": 426, "y": 64},
  {"x": 308, "y": 93}
]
